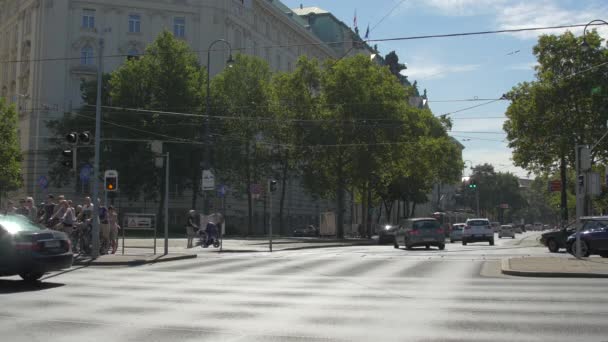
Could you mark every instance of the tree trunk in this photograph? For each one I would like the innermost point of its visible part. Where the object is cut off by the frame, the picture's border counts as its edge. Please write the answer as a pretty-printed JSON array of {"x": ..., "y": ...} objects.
[
  {"x": 282, "y": 227},
  {"x": 369, "y": 209},
  {"x": 249, "y": 195},
  {"x": 413, "y": 210},
  {"x": 340, "y": 197},
  {"x": 406, "y": 209},
  {"x": 564, "y": 194},
  {"x": 379, "y": 216}
]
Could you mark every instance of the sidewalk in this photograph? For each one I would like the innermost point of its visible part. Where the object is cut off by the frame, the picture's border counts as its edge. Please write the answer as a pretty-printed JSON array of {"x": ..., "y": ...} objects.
[
  {"x": 557, "y": 267},
  {"x": 129, "y": 259}
]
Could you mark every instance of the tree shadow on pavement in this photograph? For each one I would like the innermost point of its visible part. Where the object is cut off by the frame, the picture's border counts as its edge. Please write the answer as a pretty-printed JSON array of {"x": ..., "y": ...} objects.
[{"x": 8, "y": 286}]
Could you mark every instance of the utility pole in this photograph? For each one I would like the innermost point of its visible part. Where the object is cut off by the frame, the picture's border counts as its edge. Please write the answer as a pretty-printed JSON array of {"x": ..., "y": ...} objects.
[
  {"x": 166, "y": 203},
  {"x": 95, "y": 250},
  {"x": 583, "y": 165},
  {"x": 477, "y": 200}
]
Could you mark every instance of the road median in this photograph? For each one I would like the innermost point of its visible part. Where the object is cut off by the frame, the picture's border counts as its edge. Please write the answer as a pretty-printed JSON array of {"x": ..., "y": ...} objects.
[{"x": 556, "y": 267}]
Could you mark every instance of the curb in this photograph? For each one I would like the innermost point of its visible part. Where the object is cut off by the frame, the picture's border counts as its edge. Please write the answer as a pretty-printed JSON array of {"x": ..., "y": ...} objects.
[
  {"x": 507, "y": 270},
  {"x": 135, "y": 262}
]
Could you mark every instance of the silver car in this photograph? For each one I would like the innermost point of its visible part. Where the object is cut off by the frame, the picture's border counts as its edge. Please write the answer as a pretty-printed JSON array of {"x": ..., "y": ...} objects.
[
  {"x": 456, "y": 233},
  {"x": 506, "y": 231},
  {"x": 420, "y": 232}
]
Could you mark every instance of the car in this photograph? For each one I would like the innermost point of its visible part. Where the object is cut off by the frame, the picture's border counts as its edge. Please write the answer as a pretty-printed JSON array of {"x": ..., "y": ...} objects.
[
  {"x": 593, "y": 236},
  {"x": 518, "y": 229},
  {"x": 478, "y": 230},
  {"x": 307, "y": 231},
  {"x": 506, "y": 230},
  {"x": 527, "y": 227},
  {"x": 386, "y": 233},
  {"x": 31, "y": 251},
  {"x": 420, "y": 232},
  {"x": 456, "y": 233},
  {"x": 556, "y": 239}
]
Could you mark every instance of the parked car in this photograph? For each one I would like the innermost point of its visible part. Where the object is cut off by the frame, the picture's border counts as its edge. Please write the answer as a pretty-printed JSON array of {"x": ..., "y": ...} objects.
[
  {"x": 386, "y": 233},
  {"x": 309, "y": 231},
  {"x": 506, "y": 231},
  {"x": 556, "y": 239},
  {"x": 420, "y": 232},
  {"x": 456, "y": 233},
  {"x": 30, "y": 251},
  {"x": 476, "y": 230},
  {"x": 593, "y": 236}
]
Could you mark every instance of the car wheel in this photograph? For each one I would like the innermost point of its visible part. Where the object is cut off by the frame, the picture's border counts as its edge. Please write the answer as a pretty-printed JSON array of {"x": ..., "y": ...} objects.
[
  {"x": 584, "y": 249},
  {"x": 441, "y": 247},
  {"x": 427, "y": 246},
  {"x": 408, "y": 247},
  {"x": 500, "y": 237},
  {"x": 451, "y": 240},
  {"x": 464, "y": 243},
  {"x": 395, "y": 244},
  {"x": 491, "y": 242},
  {"x": 552, "y": 245},
  {"x": 31, "y": 276},
  {"x": 604, "y": 255}
]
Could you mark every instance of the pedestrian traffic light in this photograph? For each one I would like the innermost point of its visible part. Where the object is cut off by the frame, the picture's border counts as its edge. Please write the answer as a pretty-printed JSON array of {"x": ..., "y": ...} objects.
[
  {"x": 473, "y": 185},
  {"x": 111, "y": 181},
  {"x": 581, "y": 181},
  {"x": 68, "y": 158},
  {"x": 273, "y": 185}
]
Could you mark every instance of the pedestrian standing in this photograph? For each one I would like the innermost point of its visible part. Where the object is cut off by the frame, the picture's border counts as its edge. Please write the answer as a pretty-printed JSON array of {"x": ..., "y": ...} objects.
[
  {"x": 104, "y": 227},
  {"x": 192, "y": 228},
  {"x": 68, "y": 219},
  {"x": 33, "y": 211},
  {"x": 22, "y": 209},
  {"x": 55, "y": 221},
  {"x": 48, "y": 208},
  {"x": 87, "y": 210},
  {"x": 113, "y": 223}
]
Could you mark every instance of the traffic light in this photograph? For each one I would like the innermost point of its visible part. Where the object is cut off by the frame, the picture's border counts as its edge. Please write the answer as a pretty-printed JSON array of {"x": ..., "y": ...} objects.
[
  {"x": 111, "y": 181},
  {"x": 68, "y": 159},
  {"x": 473, "y": 185},
  {"x": 84, "y": 138},
  {"x": 273, "y": 185},
  {"x": 581, "y": 180},
  {"x": 72, "y": 138}
]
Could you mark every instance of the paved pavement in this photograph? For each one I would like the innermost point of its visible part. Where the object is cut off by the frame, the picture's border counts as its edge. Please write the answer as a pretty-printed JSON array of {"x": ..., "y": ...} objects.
[
  {"x": 556, "y": 267},
  {"x": 349, "y": 294}
]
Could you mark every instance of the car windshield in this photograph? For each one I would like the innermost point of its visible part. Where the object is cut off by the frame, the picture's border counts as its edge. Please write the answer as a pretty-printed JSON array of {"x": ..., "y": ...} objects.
[
  {"x": 14, "y": 224},
  {"x": 457, "y": 227},
  {"x": 478, "y": 223},
  {"x": 424, "y": 225}
]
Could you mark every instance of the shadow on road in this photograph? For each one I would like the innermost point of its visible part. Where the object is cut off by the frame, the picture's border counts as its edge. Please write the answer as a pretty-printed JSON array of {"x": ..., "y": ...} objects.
[{"x": 8, "y": 286}]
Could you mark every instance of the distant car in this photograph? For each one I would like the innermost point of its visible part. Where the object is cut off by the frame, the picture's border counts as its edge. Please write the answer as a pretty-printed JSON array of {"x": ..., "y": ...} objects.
[
  {"x": 30, "y": 251},
  {"x": 518, "y": 229},
  {"x": 477, "y": 230},
  {"x": 527, "y": 227},
  {"x": 593, "y": 236},
  {"x": 386, "y": 233},
  {"x": 506, "y": 231},
  {"x": 456, "y": 233},
  {"x": 308, "y": 231},
  {"x": 556, "y": 239},
  {"x": 420, "y": 232}
]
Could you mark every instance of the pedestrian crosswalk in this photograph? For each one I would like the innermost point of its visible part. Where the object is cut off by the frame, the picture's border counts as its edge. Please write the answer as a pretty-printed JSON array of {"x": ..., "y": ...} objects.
[{"x": 268, "y": 298}]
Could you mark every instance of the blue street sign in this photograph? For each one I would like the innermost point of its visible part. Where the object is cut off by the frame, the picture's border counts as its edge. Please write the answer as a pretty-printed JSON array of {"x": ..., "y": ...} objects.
[
  {"x": 221, "y": 191},
  {"x": 43, "y": 182},
  {"x": 85, "y": 173}
]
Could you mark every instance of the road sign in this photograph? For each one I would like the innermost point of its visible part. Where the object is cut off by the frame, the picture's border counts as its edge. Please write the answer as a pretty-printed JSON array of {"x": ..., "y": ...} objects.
[
  {"x": 43, "y": 182},
  {"x": 139, "y": 221},
  {"x": 208, "y": 182},
  {"x": 85, "y": 173},
  {"x": 595, "y": 186},
  {"x": 555, "y": 186},
  {"x": 504, "y": 206}
]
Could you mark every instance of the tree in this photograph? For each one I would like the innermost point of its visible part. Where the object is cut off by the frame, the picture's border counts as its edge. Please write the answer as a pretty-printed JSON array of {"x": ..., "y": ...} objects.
[
  {"x": 495, "y": 189},
  {"x": 242, "y": 151},
  {"x": 548, "y": 117},
  {"x": 10, "y": 153}
]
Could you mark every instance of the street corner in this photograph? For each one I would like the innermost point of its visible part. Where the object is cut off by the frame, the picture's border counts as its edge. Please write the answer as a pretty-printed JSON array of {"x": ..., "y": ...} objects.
[
  {"x": 130, "y": 260},
  {"x": 555, "y": 267}
]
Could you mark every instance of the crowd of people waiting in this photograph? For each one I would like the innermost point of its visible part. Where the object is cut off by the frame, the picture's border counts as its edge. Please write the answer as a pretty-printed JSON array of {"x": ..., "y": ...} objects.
[{"x": 75, "y": 221}]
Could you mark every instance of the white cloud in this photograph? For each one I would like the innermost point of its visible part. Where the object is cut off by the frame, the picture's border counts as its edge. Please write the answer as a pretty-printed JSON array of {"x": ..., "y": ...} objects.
[
  {"x": 499, "y": 157},
  {"x": 524, "y": 66},
  {"x": 429, "y": 71}
]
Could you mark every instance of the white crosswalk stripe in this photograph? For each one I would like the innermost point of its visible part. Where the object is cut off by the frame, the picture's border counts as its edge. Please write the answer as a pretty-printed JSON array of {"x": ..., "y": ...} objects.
[{"x": 303, "y": 299}]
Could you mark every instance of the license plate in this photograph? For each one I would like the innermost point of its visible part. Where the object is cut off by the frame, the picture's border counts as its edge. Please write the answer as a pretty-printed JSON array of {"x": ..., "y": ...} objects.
[{"x": 52, "y": 244}]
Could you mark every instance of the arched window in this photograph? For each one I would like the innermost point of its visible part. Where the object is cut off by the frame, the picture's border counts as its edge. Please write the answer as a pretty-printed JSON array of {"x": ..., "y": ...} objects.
[{"x": 87, "y": 56}]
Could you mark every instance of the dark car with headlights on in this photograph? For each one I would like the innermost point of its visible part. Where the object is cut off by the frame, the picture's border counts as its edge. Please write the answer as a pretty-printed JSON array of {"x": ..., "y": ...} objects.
[
  {"x": 386, "y": 233},
  {"x": 593, "y": 236},
  {"x": 30, "y": 251}
]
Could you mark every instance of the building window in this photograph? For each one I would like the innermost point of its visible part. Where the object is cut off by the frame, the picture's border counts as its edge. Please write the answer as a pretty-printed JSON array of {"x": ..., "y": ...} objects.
[
  {"x": 133, "y": 54},
  {"x": 88, "y": 18},
  {"x": 86, "y": 56},
  {"x": 179, "y": 27},
  {"x": 134, "y": 23}
]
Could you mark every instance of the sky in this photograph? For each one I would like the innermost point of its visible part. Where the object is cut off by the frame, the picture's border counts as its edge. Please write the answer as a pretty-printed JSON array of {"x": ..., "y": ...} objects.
[{"x": 470, "y": 67}]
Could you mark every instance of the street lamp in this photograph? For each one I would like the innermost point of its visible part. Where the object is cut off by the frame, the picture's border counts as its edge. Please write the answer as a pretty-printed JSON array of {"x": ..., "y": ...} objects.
[
  {"x": 585, "y": 45},
  {"x": 229, "y": 62}
]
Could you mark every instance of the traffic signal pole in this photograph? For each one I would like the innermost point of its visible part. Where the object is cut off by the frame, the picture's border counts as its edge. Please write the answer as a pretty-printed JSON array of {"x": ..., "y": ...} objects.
[
  {"x": 95, "y": 239},
  {"x": 477, "y": 200}
]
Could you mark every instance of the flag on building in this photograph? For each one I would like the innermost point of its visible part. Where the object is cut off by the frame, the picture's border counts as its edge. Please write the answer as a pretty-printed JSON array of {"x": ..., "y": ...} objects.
[
  {"x": 355, "y": 20},
  {"x": 367, "y": 32}
]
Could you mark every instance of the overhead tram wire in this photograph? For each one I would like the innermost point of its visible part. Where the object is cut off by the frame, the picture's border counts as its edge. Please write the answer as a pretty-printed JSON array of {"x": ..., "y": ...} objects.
[{"x": 278, "y": 46}]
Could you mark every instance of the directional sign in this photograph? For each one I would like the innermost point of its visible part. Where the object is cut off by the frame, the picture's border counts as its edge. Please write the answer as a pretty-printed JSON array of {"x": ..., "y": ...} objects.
[
  {"x": 142, "y": 222},
  {"x": 43, "y": 182},
  {"x": 85, "y": 173},
  {"x": 208, "y": 180}
]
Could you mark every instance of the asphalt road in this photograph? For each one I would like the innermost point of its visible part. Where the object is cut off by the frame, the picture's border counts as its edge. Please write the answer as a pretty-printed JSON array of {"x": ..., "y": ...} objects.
[{"x": 368, "y": 293}]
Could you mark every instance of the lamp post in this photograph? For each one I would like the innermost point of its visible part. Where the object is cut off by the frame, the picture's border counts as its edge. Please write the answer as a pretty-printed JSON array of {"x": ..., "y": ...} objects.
[
  {"x": 585, "y": 45},
  {"x": 206, "y": 142}
]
